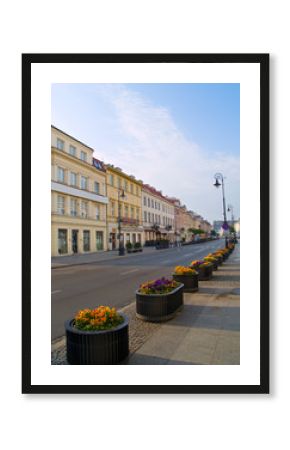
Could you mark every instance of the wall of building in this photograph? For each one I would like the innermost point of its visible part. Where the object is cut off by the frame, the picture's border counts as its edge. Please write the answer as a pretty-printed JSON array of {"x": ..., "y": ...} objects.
[
  {"x": 130, "y": 208},
  {"x": 157, "y": 210},
  {"x": 78, "y": 199}
]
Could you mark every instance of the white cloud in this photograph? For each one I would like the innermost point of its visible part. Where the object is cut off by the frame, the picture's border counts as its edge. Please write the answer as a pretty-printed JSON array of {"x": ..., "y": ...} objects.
[{"x": 151, "y": 147}]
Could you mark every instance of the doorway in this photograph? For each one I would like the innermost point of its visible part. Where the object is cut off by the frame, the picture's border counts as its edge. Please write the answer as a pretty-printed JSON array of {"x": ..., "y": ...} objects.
[{"x": 74, "y": 239}]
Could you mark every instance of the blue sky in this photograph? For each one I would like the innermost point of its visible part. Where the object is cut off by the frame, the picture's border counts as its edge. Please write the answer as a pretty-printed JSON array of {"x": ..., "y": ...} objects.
[{"x": 172, "y": 136}]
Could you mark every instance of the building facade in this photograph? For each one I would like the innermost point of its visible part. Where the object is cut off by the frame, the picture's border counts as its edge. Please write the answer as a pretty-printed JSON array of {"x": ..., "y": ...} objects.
[
  {"x": 78, "y": 197},
  {"x": 158, "y": 215},
  {"x": 124, "y": 197}
]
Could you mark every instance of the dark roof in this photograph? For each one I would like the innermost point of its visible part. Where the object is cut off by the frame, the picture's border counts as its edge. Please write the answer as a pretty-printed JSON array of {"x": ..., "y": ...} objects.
[{"x": 99, "y": 164}]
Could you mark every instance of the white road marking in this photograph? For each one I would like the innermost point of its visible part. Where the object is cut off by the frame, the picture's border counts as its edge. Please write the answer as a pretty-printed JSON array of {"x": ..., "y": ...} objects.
[
  {"x": 56, "y": 292},
  {"x": 129, "y": 271}
]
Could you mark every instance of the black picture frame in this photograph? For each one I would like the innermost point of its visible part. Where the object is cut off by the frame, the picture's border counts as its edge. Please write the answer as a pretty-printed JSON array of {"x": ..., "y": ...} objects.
[{"x": 263, "y": 61}]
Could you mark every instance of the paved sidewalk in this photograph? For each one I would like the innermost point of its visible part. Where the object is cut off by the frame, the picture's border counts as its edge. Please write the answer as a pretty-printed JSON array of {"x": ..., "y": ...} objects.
[{"x": 206, "y": 331}]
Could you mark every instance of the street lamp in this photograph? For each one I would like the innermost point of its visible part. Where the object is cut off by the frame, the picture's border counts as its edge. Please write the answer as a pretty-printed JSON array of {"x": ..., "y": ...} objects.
[
  {"x": 219, "y": 177},
  {"x": 231, "y": 208},
  {"x": 121, "y": 194}
]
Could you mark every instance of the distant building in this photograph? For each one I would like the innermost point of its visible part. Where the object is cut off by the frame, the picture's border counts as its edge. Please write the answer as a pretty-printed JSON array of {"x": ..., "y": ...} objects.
[
  {"x": 158, "y": 214},
  {"x": 129, "y": 207}
]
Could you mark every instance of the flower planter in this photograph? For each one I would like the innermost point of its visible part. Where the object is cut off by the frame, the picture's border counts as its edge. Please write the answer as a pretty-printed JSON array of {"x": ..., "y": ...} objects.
[
  {"x": 97, "y": 347},
  {"x": 205, "y": 273},
  {"x": 220, "y": 259},
  {"x": 159, "y": 307},
  {"x": 215, "y": 265},
  {"x": 162, "y": 244},
  {"x": 190, "y": 282}
]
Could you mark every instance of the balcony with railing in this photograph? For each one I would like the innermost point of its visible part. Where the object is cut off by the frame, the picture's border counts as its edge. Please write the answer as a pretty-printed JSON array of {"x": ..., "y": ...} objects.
[
  {"x": 130, "y": 221},
  {"x": 82, "y": 215}
]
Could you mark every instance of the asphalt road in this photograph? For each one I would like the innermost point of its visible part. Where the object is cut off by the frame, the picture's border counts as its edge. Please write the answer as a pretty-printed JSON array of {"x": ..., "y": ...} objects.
[{"x": 113, "y": 283}]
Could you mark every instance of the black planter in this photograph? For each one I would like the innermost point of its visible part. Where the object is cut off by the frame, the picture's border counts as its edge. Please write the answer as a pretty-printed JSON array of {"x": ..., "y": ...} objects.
[
  {"x": 159, "y": 307},
  {"x": 220, "y": 259},
  {"x": 205, "y": 273},
  {"x": 215, "y": 265},
  {"x": 190, "y": 282},
  {"x": 97, "y": 347},
  {"x": 162, "y": 244}
]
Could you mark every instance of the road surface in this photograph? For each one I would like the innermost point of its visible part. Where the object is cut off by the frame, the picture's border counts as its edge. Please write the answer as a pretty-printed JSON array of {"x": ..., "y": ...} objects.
[{"x": 114, "y": 282}]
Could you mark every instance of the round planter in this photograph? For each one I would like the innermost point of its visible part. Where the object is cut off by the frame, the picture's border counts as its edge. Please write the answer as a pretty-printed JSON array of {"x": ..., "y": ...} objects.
[
  {"x": 159, "y": 307},
  {"x": 215, "y": 265},
  {"x": 220, "y": 260},
  {"x": 97, "y": 347},
  {"x": 205, "y": 273},
  {"x": 190, "y": 282}
]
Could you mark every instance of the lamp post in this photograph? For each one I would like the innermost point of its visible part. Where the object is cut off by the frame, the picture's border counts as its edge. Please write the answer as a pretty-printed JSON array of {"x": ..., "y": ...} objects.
[
  {"x": 231, "y": 209},
  {"x": 121, "y": 194},
  {"x": 219, "y": 177}
]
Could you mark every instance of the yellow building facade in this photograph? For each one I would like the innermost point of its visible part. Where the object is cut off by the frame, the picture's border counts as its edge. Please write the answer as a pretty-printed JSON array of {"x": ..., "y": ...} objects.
[
  {"x": 78, "y": 197},
  {"x": 124, "y": 198}
]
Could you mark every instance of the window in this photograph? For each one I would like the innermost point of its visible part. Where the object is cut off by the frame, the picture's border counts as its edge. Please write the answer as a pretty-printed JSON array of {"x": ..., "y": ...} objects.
[
  {"x": 98, "y": 213},
  {"x": 112, "y": 209},
  {"x": 83, "y": 156},
  {"x": 155, "y": 205},
  {"x": 73, "y": 179},
  {"x": 148, "y": 201},
  {"x": 62, "y": 241},
  {"x": 145, "y": 216},
  {"x": 126, "y": 185},
  {"x": 73, "y": 207},
  {"x": 60, "y": 204},
  {"x": 111, "y": 180},
  {"x": 163, "y": 220},
  {"x": 99, "y": 240},
  {"x": 149, "y": 217},
  {"x": 132, "y": 213},
  {"x": 97, "y": 187},
  {"x": 119, "y": 183},
  {"x": 60, "y": 175},
  {"x": 84, "y": 208},
  {"x": 72, "y": 150},
  {"x": 144, "y": 201},
  {"x": 131, "y": 188},
  {"x": 60, "y": 144},
  {"x": 84, "y": 183},
  {"x": 152, "y": 203},
  {"x": 86, "y": 241},
  {"x": 126, "y": 211}
]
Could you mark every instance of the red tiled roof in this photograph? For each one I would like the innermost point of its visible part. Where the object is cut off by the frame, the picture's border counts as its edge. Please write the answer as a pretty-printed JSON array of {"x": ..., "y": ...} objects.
[{"x": 152, "y": 190}]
